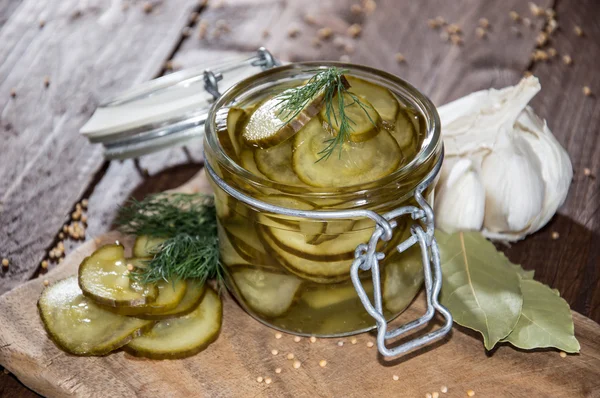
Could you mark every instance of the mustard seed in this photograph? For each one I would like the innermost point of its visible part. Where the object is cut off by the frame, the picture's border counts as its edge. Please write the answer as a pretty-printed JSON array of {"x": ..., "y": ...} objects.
[
  {"x": 567, "y": 60},
  {"x": 46, "y": 282},
  {"x": 340, "y": 343},
  {"x": 148, "y": 7},
  {"x": 433, "y": 24},
  {"x": 356, "y": 9},
  {"x": 290, "y": 356},
  {"x": 456, "y": 40},
  {"x": 552, "y": 52},
  {"x": 563, "y": 354},
  {"x": 578, "y": 31},
  {"x": 202, "y": 29},
  {"x": 297, "y": 339},
  {"x": 527, "y": 22},
  {"x": 353, "y": 340},
  {"x": 399, "y": 58},
  {"x": 61, "y": 235},
  {"x": 428, "y": 395},
  {"x": 322, "y": 363},
  {"x": 259, "y": 379},
  {"x": 444, "y": 389},
  {"x": 370, "y": 344},
  {"x": 435, "y": 394},
  {"x": 130, "y": 267},
  {"x": 587, "y": 91},
  {"x": 514, "y": 15},
  {"x": 46, "y": 81},
  {"x": 541, "y": 39},
  {"x": 370, "y": 6},
  {"x": 274, "y": 352},
  {"x": 310, "y": 19},
  {"x": 354, "y": 30},
  {"x": 484, "y": 23},
  {"x": 5, "y": 262},
  {"x": 313, "y": 339},
  {"x": 278, "y": 370},
  {"x": 536, "y": 10},
  {"x": 76, "y": 215},
  {"x": 587, "y": 172},
  {"x": 470, "y": 393},
  {"x": 440, "y": 20},
  {"x": 293, "y": 32},
  {"x": 297, "y": 364},
  {"x": 60, "y": 260},
  {"x": 453, "y": 28},
  {"x": 325, "y": 33},
  {"x": 44, "y": 264},
  {"x": 395, "y": 377},
  {"x": 480, "y": 32},
  {"x": 555, "y": 235},
  {"x": 13, "y": 93},
  {"x": 268, "y": 380},
  {"x": 84, "y": 203}
]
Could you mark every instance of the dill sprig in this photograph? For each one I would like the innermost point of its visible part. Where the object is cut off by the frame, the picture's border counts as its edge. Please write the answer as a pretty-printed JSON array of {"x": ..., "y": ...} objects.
[
  {"x": 188, "y": 223},
  {"x": 332, "y": 83}
]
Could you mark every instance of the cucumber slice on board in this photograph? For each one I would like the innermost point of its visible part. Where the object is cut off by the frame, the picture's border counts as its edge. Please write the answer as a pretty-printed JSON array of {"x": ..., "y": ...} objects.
[
  {"x": 193, "y": 295},
  {"x": 276, "y": 163},
  {"x": 170, "y": 294},
  {"x": 104, "y": 278},
  {"x": 365, "y": 121},
  {"x": 330, "y": 295},
  {"x": 268, "y": 293},
  {"x": 358, "y": 162},
  {"x": 268, "y": 126},
  {"x": 80, "y": 326},
  {"x": 384, "y": 102},
  {"x": 184, "y": 336},
  {"x": 145, "y": 246}
]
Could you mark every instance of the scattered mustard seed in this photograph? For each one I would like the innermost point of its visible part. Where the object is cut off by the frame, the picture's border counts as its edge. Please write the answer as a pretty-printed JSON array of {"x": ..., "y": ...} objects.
[
  {"x": 353, "y": 340},
  {"x": 433, "y": 24},
  {"x": 322, "y": 363},
  {"x": 587, "y": 91},
  {"x": 428, "y": 395},
  {"x": 148, "y": 7},
  {"x": 274, "y": 352},
  {"x": 541, "y": 39},
  {"x": 310, "y": 19},
  {"x": 202, "y": 29},
  {"x": 44, "y": 264},
  {"x": 395, "y": 377},
  {"x": 552, "y": 26},
  {"x": 297, "y": 364},
  {"x": 297, "y": 339},
  {"x": 325, "y": 33},
  {"x": 480, "y": 32},
  {"x": 563, "y": 354},
  {"x": 552, "y": 52},
  {"x": 370, "y": 6},
  {"x": 444, "y": 36},
  {"x": 444, "y": 389},
  {"x": 84, "y": 219},
  {"x": 587, "y": 172},
  {"x": 85, "y": 203},
  {"x": 278, "y": 335},
  {"x": 370, "y": 344},
  {"x": 46, "y": 282},
  {"x": 259, "y": 379},
  {"x": 313, "y": 339},
  {"x": 268, "y": 380},
  {"x": 290, "y": 356},
  {"x": 46, "y": 81},
  {"x": 354, "y": 30},
  {"x": 340, "y": 343},
  {"x": 456, "y": 39},
  {"x": 536, "y": 10},
  {"x": 514, "y": 15},
  {"x": 75, "y": 215},
  {"x": 399, "y": 57},
  {"x": 550, "y": 13},
  {"x": 130, "y": 267},
  {"x": 5, "y": 262},
  {"x": 527, "y": 22},
  {"x": 484, "y": 23},
  {"x": 60, "y": 260},
  {"x": 453, "y": 28},
  {"x": 567, "y": 60},
  {"x": 578, "y": 30},
  {"x": 555, "y": 235},
  {"x": 435, "y": 394},
  {"x": 293, "y": 32},
  {"x": 470, "y": 393},
  {"x": 13, "y": 93},
  {"x": 356, "y": 9},
  {"x": 440, "y": 20},
  {"x": 41, "y": 23},
  {"x": 278, "y": 370},
  {"x": 61, "y": 235}
]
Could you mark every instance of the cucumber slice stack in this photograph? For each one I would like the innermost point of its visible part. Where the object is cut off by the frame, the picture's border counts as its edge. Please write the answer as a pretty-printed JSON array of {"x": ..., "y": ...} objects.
[{"x": 104, "y": 309}]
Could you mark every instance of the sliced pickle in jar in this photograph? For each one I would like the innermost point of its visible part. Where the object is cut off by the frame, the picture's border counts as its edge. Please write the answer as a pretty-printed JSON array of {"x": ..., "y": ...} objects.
[
  {"x": 403, "y": 131},
  {"x": 183, "y": 336},
  {"x": 245, "y": 240},
  {"x": 384, "y": 102},
  {"x": 340, "y": 248},
  {"x": 402, "y": 279},
  {"x": 267, "y": 293},
  {"x": 146, "y": 246},
  {"x": 276, "y": 163},
  {"x": 193, "y": 295},
  {"x": 104, "y": 278},
  {"x": 236, "y": 117},
  {"x": 331, "y": 295},
  {"x": 365, "y": 121},
  {"x": 247, "y": 161},
  {"x": 80, "y": 326},
  {"x": 356, "y": 163},
  {"x": 270, "y": 124}
]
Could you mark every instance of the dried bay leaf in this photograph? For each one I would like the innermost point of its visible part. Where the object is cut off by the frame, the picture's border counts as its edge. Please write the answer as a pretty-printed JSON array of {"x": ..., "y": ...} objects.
[
  {"x": 545, "y": 320},
  {"x": 479, "y": 288}
]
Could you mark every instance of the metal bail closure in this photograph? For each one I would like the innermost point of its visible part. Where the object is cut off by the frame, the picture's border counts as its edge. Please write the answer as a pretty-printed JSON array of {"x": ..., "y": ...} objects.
[{"x": 367, "y": 258}]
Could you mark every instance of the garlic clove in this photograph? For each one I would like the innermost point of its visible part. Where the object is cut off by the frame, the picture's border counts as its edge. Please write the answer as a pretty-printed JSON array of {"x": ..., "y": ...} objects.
[
  {"x": 460, "y": 196},
  {"x": 514, "y": 188}
]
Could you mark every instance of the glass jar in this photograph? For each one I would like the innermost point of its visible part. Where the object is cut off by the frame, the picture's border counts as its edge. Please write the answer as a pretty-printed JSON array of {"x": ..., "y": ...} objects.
[{"x": 292, "y": 273}]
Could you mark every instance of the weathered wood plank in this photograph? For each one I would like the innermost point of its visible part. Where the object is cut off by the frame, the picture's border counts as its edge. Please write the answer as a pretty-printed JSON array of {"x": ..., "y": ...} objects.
[
  {"x": 87, "y": 51},
  {"x": 572, "y": 263}
]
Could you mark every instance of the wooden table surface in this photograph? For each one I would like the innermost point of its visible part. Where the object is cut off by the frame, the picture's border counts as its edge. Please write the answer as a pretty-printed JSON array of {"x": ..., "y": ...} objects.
[{"x": 58, "y": 60}]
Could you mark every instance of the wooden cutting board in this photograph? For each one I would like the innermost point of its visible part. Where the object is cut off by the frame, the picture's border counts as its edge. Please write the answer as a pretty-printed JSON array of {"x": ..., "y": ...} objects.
[{"x": 230, "y": 366}]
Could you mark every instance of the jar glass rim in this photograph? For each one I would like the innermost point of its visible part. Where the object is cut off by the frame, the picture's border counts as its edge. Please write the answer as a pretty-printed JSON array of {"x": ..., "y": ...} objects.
[{"x": 431, "y": 144}]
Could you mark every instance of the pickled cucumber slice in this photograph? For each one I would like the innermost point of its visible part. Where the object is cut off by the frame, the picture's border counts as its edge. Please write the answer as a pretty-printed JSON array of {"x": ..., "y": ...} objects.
[
  {"x": 330, "y": 295},
  {"x": 403, "y": 131},
  {"x": 365, "y": 121},
  {"x": 358, "y": 162},
  {"x": 184, "y": 336},
  {"x": 316, "y": 271},
  {"x": 340, "y": 248},
  {"x": 268, "y": 293},
  {"x": 235, "y": 119},
  {"x": 268, "y": 126},
  {"x": 384, "y": 102},
  {"x": 288, "y": 202},
  {"x": 247, "y": 161},
  {"x": 81, "y": 327},
  {"x": 276, "y": 163},
  {"x": 193, "y": 295},
  {"x": 104, "y": 278},
  {"x": 402, "y": 279},
  {"x": 145, "y": 246}
]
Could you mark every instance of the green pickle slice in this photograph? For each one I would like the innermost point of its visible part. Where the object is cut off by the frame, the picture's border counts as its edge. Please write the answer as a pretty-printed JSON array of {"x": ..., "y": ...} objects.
[
  {"x": 358, "y": 162},
  {"x": 384, "y": 102},
  {"x": 402, "y": 279},
  {"x": 145, "y": 246},
  {"x": 80, "y": 326},
  {"x": 183, "y": 336},
  {"x": 365, "y": 119},
  {"x": 403, "y": 131},
  {"x": 330, "y": 295},
  {"x": 193, "y": 295},
  {"x": 267, "y": 293},
  {"x": 235, "y": 118},
  {"x": 276, "y": 163},
  {"x": 104, "y": 278}
]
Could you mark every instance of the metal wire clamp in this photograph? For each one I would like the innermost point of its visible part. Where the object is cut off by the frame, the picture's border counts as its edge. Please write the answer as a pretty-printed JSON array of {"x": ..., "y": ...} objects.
[{"x": 367, "y": 258}]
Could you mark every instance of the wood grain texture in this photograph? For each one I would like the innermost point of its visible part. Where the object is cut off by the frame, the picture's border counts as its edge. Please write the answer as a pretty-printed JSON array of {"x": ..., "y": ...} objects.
[
  {"x": 572, "y": 263},
  {"x": 230, "y": 366},
  {"x": 87, "y": 50}
]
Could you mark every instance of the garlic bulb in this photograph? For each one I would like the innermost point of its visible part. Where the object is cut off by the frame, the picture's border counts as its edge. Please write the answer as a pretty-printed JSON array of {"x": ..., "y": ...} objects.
[{"x": 504, "y": 172}]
